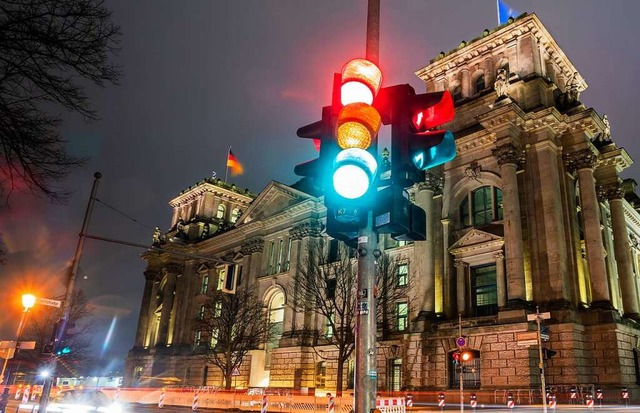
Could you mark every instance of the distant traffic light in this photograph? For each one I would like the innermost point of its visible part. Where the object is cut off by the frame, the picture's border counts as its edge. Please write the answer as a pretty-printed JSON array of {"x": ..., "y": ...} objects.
[
  {"x": 467, "y": 355},
  {"x": 547, "y": 353}
]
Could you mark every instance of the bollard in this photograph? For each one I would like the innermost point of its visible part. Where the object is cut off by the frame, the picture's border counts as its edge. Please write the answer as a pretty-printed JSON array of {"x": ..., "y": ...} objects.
[
  {"x": 263, "y": 408},
  {"x": 18, "y": 392},
  {"x": 409, "y": 400},
  {"x": 25, "y": 396},
  {"x": 589, "y": 398},
  {"x": 574, "y": 395},
  {"x": 599, "y": 396},
  {"x": 441, "y": 403},
  {"x": 552, "y": 401},
  {"x": 474, "y": 401},
  {"x": 510, "y": 402},
  {"x": 194, "y": 404},
  {"x": 331, "y": 407},
  {"x": 625, "y": 396},
  {"x": 161, "y": 399}
]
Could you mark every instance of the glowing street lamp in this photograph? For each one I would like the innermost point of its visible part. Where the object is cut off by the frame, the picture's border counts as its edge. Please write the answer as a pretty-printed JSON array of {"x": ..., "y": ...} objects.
[{"x": 28, "y": 301}]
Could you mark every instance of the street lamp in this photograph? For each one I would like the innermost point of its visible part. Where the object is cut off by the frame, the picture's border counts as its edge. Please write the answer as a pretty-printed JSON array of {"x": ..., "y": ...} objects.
[{"x": 28, "y": 301}]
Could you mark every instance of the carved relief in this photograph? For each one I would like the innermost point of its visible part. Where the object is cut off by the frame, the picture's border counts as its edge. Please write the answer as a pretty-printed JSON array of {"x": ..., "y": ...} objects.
[
  {"x": 252, "y": 245},
  {"x": 610, "y": 192},
  {"x": 508, "y": 154},
  {"x": 498, "y": 256},
  {"x": 306, "y": 229},
  {"x": 581, "y": 159}
]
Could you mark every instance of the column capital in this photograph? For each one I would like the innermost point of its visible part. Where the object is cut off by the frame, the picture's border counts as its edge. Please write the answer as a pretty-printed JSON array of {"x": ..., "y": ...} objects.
[
  {"x": 610, "y": 192},
  {"x": 508, "y": 154},
  {"x": 305, "y": 229},
  {"x": 253, "y": 245},
  {"x": 459, "y": 263},
  {"x": 173, "y": 268},
  {"x": 432, "y": 182},
  {"x": 582, "y": 159},
  {"x": 152, "y": 275},
  {"x": 498, "y": 256}
]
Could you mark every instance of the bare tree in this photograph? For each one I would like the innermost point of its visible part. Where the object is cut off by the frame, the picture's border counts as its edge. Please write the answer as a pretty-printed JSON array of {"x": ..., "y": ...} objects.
[
  {"x": 40, "y": 328},
  {"x": 326, "y": 285},
  {"x": 235, "y": 324},
  {"x": 48, "y": 51}
]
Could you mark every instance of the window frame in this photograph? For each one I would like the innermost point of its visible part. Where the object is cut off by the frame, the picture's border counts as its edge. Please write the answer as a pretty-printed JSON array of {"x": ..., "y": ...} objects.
[{"x": 402, "y": 319}]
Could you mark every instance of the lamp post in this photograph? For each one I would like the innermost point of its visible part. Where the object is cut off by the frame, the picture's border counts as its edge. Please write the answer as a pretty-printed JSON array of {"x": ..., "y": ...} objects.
[{"x": 28, "y": 301}]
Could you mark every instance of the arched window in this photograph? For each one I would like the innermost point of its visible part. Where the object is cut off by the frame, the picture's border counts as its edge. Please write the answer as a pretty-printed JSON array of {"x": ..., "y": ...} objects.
[
  {"x": 235, "y": 213},
  {"x": 481, "y": 207},
  {"x": 457, "y": 93},
  {"x": 276, "y": 319},
  {"x": 479, "y": 84},
  {"x": 221, "y": 210}
]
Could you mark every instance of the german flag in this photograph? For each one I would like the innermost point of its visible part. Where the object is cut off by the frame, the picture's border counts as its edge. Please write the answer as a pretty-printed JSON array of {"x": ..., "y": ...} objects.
[{"x": 234, "y": 164}]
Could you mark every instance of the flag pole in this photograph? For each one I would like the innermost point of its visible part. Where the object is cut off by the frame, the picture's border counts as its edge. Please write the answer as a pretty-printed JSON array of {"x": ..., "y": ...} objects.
[
  {"x": 498, "y": 10},
  {"x": 226, "y": 173}
]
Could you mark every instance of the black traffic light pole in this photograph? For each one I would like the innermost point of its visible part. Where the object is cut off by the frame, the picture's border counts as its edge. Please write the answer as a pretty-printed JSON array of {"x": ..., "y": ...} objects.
[
  {"x": 66, "y": 304},
  {"x": 366, "y": 373},
  {"x": 543, "y": 385}
]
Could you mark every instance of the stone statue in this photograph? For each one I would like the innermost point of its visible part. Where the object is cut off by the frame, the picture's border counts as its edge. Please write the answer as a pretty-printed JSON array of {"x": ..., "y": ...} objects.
[
  {"x": 502, "y": 83},
  {"x": 573, "y": 88},
  {"x": 606, "y": 134},
  {"x": 157, "y": 236}
]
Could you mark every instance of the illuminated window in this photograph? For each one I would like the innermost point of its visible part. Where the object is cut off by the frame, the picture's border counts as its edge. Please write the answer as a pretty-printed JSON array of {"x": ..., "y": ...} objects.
[
  {"x": 221, "y": 275},
  {"x": 197, "y": 339},
  {"x": 328, "y": 325},
  {"x": 287, "y": 263},
  {"x": 403, "y": 273},
  {"x": 272, "y": 254},
  {"x": 204, "y": 284},
  {"x": 276, "y": 320},
  {"x": 201, "y": 313},
  {"x": 214, "y": 339},
  {"x": 218, "y": 309},
  {"x": 402, "y": 315},
  {"x": 279, "y": 254},
  {"x": 484, "y": 290},
  {"x": 481, "y": 207},
  {"x": 235, "y": 213},
  {"x": 321, "y": 374},
  {"x": 221, "y": 211}
]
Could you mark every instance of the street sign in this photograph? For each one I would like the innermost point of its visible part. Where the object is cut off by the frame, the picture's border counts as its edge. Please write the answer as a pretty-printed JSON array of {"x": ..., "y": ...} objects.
[
  {"x": 534, "y": 317},
  {"x": 7, "y": 344},
  {"x": 49, "y": 302},
  {"x": 26, "y": 345},
  {"x": 544, "y": 333},
  {"x": 461, "y": 341},
  {"x": 7, "y": 353},
  {"x": 527, "y": 343}
]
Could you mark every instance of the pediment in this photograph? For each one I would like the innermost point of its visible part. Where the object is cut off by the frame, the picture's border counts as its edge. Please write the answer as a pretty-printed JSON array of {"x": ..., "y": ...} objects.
[
  {"x": 274, "y": 199},
  {"x": 476, "y": 240}
]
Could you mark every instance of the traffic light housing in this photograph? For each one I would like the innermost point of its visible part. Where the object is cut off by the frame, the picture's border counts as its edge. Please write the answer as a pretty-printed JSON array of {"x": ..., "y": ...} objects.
[
  {"x": 415, "y": 143},
  {"x": 395, "y": 214}
]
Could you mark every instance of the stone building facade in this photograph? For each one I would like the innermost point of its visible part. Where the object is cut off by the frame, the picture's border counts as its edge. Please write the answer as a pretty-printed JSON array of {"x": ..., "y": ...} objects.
[{"x": 531, "y": 213}]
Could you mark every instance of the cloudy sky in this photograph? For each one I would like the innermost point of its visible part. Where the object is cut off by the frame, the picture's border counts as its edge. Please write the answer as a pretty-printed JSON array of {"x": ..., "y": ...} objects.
[{"x": 200, "y": 76}]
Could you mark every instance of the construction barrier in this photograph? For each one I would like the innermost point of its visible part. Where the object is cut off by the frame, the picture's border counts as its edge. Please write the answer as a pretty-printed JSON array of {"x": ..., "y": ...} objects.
[
  {"x": 510, "y": 402},
  {"x": 18, "y": 392},
  {"x": 441, "y": 401},
  {"x": 409, "y": 400},
  {"x": 25, "y": 396},
  {"x": 161, "y": 398},
  {"x": 331, "y": 406},
  {"x": 552, "y": 401},
  {"x": 263, "y": 407},
  {"x": 589, "y": 398},
  {"x": 194, "y": 404},
  {"x": 391, "y": 404},
  {"x": 473, "y": 401}
]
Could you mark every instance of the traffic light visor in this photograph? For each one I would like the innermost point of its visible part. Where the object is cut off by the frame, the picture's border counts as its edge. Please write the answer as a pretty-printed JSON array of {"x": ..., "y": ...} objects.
[
  {"x": 358, "y": 124},
  {"x": 432, "y": 109},
  {"x": 354, "y": 171},
  {"x": 361, "y": 80},
  {"x": 426, "y": 154}
]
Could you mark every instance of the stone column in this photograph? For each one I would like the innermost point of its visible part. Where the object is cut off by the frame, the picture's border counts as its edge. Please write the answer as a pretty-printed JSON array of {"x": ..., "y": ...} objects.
[
  {"x": 254, "y": 247},
  {"x": 623, "y": 252},
  {"x": 584, "y": 162},
  {"x": 500, "y": 282},
  {"x": 489, "y": 78},
  {"x": 294, "y": 319},
  {"x": 461, "y": 286},
  {"x": 150, "y": 340},
  {"x": 465, "y": 82},
  {"x": 508, "y": 156},
  {"x": 171, "y": 272},
  {"x": 425, "y": 250},
  {"x": 447, "y": 282},
  {"x": 143, "y": 319}
]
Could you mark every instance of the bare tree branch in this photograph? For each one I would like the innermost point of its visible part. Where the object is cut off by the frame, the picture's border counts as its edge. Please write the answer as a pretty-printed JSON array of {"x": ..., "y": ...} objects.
[{"x": 48, "y": 50}]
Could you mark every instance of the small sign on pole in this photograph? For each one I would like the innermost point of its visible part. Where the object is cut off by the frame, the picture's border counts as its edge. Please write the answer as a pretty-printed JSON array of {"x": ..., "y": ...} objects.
[
  {"x": 49, "y": 302},
  {"x": 235, "y": 372},
  {"x": 534, "y": 317}
]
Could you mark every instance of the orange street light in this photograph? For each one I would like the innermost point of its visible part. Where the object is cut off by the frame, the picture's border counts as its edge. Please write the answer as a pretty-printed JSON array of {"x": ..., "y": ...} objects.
[{"x": 28, "y": 301}]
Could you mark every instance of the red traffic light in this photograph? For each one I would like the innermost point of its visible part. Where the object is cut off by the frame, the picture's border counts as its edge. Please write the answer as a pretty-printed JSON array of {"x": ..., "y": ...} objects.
[
  {"x": 431, "y": 109},
  {"x": 456, "y": 356}
]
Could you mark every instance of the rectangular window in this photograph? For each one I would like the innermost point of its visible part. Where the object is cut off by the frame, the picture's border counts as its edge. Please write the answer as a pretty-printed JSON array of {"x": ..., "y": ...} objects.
[
  {"x": 333, "y": 250},
  {"x": 201, "y": 313},
  {"x": 484, "y": 290},
  {"x": 272, "y": 251},
  {"x": 328, "y": 328},
  {"x": 321, "y": 374},
  {"x": 403, "y": 274},
  {"x": 204, "y": 285},
  {"x": 218, "y": 309},
  {"x": 214, "y": 339},
  {"x": 239, "y": 274},
  {"x": 497, "y": 198},
  {"x": 482, "y": 211},
  {"x": 279, "y": 255},
  {"x": 287, "y": 263},
  {"x": 221, "y": 276},
  {"x": 197, "y": 338},
  {"x": 402, "y": 315}
]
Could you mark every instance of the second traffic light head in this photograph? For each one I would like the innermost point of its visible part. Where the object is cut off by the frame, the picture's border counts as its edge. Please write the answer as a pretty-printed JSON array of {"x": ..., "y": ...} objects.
[{"x": 354, "y": 171}]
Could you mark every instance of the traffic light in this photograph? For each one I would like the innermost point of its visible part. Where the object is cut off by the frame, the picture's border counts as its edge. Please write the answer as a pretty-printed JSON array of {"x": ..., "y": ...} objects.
[
  {"x": 395, "y": 214},
  {"x": 466, "y": 355},
  {"x": 456, "y": 357},
  {"x": 547, "y": 353},
  {"x": 415, "y": 143}
]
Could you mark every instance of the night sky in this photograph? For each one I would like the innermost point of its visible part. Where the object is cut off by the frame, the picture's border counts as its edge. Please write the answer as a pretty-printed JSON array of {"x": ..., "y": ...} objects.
[{"x": 200, "y": 76}]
